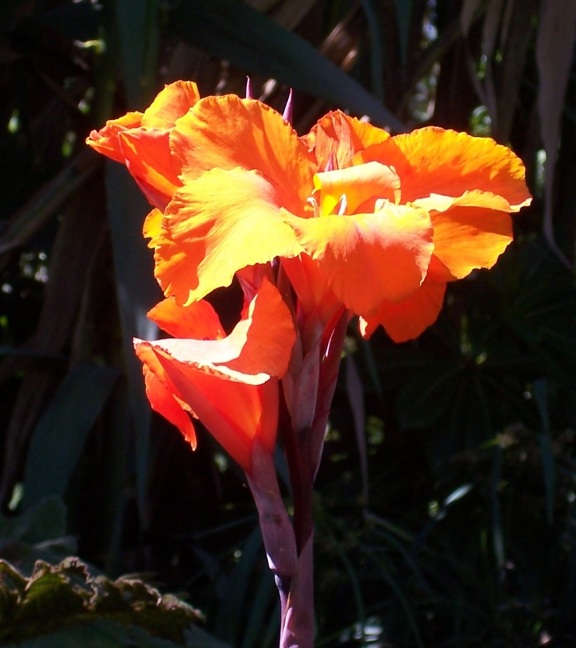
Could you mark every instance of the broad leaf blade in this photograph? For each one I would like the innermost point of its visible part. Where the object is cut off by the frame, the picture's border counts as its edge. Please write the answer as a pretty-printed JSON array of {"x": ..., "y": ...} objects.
[
  {"x": 60, "y": 435},
  {"x": 137, "y": 292},
  {"x": 239, "y": 34}
]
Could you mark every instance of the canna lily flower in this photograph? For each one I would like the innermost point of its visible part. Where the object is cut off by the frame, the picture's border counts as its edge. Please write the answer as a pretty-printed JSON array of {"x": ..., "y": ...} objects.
[
  {"x": 468, "y": 186},
  {"x": 228, "y": 382},
  {"x": 361, "y": 220},
  {"x": 378, "y": 223},
  {"x": 141, "y": 141}
]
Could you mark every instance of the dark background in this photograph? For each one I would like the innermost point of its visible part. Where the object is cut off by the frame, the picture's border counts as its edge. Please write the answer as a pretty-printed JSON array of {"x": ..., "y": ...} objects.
[{"x": 445, "y": 504}]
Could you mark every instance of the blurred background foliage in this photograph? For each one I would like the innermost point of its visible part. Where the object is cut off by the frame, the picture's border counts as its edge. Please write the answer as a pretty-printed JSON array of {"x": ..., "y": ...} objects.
[{"x": 446, "y": 501}]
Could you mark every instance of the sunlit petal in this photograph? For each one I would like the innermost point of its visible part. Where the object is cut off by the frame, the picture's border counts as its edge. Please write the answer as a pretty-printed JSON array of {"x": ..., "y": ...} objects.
[
  {"x": 198, "y": 320},
  {"x": 432, "y": 160},
  {"x": 171, "y": 103},
  {"x": 228, "y": 132},
  {"x": 105, "y": 140},
  {"x": 147, "y": 157},
  {"x": 466, "y": 238},
  {"x": 216, "y": 225},
  {"x": 369, "y": 257},
  {"x": 230, "y": 384},
  {"x": 360, "y": 185}
]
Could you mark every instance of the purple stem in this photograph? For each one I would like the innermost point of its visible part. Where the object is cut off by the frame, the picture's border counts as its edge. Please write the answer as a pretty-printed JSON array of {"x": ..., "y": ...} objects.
[{"x": 289, "y": 546}]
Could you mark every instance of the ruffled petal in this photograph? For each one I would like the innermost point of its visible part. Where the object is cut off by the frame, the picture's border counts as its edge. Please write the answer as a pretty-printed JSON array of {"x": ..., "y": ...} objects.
[
  {"x": 170, "y": 104},
  {"x": 336, "y": 138},
  {"x": 435, "y": 161},
  {"x": 368, "y": 258},
  {"x": 140, "y": 141},
  {"x": 228, "y": 132},
  {"x": 409, "y": 318},
  {"x": 105, "y": 140},
  {"x": 152, "y": 228},
  {"x": 216, "y": 225}
]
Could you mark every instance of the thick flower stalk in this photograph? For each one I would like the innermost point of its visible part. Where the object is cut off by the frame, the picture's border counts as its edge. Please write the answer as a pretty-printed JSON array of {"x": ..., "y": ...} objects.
[{"x": 345, "y": 221}]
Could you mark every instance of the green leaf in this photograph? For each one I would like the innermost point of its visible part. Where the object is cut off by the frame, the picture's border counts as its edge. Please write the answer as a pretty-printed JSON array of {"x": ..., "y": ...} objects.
[
  {"x": 198, "y": 638},
  {"x": 233, "y": 31},
  {"x": 137, "y": 292},
  {"x": 428, "y": 395},
  {"x": 96, "y": 634},
  {"x": 232, "y": 610},
  {"x": 65, "y": 598},
  {"x": 403, "y": 18},
  {"x": 137, "y": 24},
  {"x": 45, "y": 521},
  {"x": 60, "y": 435}
]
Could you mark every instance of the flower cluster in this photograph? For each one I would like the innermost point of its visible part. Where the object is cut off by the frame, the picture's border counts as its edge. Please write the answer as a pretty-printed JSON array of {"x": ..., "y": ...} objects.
[{"x": 344, "y": 220}]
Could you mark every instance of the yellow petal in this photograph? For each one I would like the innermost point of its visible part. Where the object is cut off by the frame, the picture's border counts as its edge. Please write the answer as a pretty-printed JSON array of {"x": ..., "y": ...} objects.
[
  {"x": 170, "y": 104},
  {"x": 361, "y": 186},
  {"x": 216, "y": 225}
]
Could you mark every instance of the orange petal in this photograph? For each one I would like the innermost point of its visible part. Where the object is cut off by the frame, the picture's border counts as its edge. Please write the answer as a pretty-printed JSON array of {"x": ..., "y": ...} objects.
[
  {"x": 234, "y": 413},
  {"x": 198, "y": 320},
  {"x": 140, "y": 141},
  {"x": 432, "y": 160},
  {"x": 105, "y": 140},
  {"x": 312, "y": 287},
  {"x": 369, "y": 257},
  {"x": 147, "y": 157},
  {"x": 170, "y": 104},
  {"x": 336, "y": 138},
  {"x": 466, "y": 238},
  {"x": 270, "y": 335},
  {"x": 407, "y": 319},
  {"x": 216, "y": 225},
  {"x": 160, "y": 393},
  {"x": 361, "y": 185},
  {"x": 229, "y": 132},
  {"x": 258, "y": 347}
]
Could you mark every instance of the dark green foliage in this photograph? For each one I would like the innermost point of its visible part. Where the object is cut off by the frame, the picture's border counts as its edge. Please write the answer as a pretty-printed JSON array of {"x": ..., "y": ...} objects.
[
  {"x": 446, "y": 501},
  {"x": 66, "y": 595}
]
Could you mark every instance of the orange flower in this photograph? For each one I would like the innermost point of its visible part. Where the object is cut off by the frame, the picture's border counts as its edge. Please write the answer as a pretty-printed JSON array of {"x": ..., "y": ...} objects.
[
  {"x": 141, "y": 141},
  {"x": 249, "y": 196},
  {"x": 228, "y": 382},
  {"x": 359, "y": 219},
  {"x": 467, "y": 185}
]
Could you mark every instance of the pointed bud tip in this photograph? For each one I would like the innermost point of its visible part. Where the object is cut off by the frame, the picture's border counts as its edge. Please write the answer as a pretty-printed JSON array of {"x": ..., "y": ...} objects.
[{"x": 287, "y": 114}]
